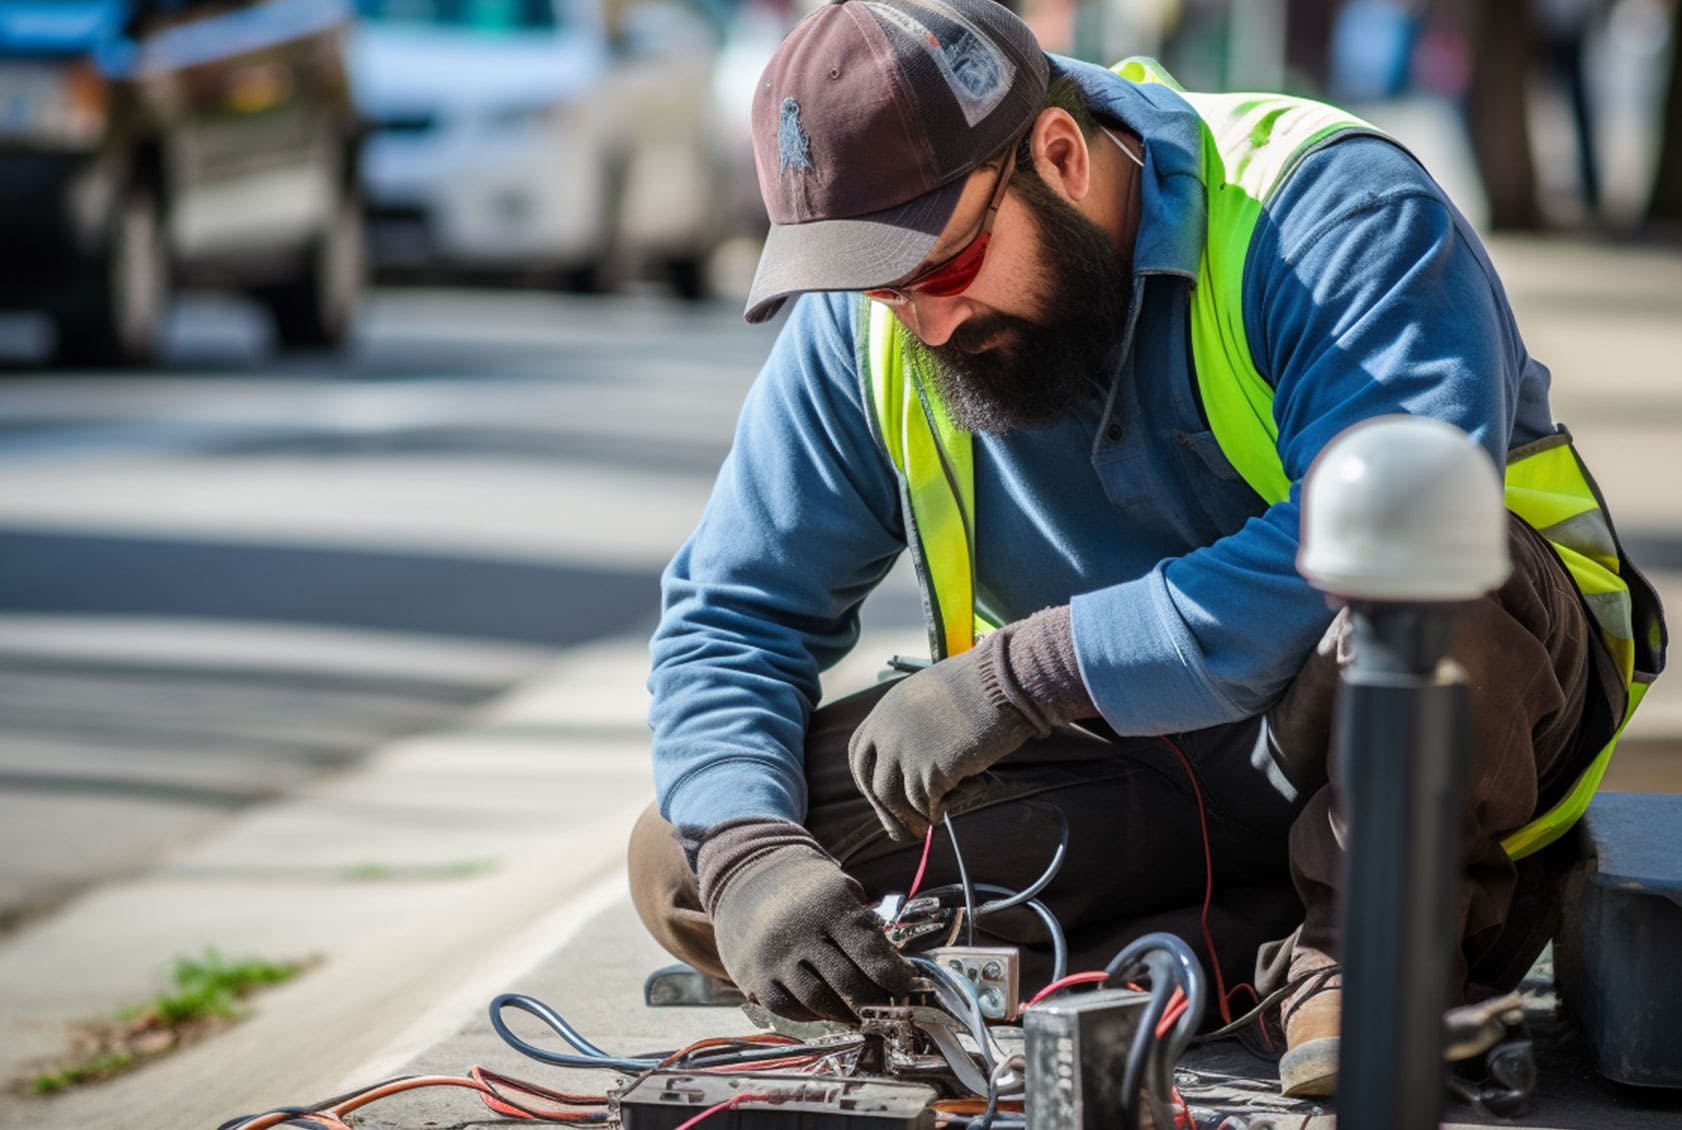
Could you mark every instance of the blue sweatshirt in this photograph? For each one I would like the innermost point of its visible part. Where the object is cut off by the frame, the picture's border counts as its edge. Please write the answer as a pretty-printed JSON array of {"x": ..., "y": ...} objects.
[{"x": 1365, "y": 292}]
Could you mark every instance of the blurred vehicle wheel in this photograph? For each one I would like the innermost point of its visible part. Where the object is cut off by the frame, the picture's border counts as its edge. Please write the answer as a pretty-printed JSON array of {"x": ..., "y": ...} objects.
[
  {"x": 602, "y": 272},
  {"x": 687, "y": 275},
  {"x": 592, "y": 277},
  {"x": 120, "y": 317},
  {"x": 318, "y": 307}
]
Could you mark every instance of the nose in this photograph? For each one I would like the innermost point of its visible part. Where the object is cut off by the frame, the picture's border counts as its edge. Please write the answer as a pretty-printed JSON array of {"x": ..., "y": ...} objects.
[{"x": 932, "y": 319}]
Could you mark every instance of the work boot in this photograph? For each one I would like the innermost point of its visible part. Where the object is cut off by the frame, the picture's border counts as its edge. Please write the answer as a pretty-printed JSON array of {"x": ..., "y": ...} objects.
[{"x": 1312, "y": 1012}]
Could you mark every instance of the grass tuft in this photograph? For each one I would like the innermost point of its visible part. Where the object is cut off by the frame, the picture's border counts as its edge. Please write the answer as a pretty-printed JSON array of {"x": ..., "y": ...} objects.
[
  {"x": 210, "y": 987},
  {"x": 91, "y": 1070},
  {"x": 204, "y": 997}
]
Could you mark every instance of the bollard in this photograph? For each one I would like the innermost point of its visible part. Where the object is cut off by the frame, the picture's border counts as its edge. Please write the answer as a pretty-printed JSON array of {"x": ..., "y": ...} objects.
[{"x": 1403, "y": 519}]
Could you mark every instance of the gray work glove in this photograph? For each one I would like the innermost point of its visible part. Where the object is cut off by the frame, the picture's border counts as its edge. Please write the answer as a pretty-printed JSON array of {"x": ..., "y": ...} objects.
[
  {"x": 792, "y": 928},
  {"x": 949, "y": 722}
]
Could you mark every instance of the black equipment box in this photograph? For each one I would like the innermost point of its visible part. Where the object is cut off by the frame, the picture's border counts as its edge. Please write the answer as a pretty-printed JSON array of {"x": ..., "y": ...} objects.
[
  {"x": 791, "y": 1102},
  {"x": 1618, "y": 960},
  {"x": 1076, "y": 1052}
]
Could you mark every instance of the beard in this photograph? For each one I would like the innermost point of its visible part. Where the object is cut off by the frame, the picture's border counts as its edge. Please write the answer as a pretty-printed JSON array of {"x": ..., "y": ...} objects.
[{"x": 999, "y": 372}]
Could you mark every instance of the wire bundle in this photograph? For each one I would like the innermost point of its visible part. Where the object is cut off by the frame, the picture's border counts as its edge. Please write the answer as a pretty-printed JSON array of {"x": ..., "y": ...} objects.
[{"x": 1164, "y": 961}]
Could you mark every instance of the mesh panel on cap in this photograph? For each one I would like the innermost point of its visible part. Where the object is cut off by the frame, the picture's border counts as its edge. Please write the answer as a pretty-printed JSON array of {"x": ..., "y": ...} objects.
[{"x": 976, "y": 72}]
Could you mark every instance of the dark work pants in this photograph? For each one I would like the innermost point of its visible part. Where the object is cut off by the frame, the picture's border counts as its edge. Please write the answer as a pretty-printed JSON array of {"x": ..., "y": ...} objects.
[{"x": 1136, "y": 859}]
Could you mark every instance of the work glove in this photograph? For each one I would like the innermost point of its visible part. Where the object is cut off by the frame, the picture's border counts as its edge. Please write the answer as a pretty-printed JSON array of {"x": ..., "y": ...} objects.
[
  {"x": 792, "y": 928},
  {"x": 949, "y": 722}
]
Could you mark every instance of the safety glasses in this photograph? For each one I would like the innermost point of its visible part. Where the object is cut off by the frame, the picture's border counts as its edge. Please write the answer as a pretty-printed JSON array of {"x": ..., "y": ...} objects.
[{"x": 954, "y": 274}]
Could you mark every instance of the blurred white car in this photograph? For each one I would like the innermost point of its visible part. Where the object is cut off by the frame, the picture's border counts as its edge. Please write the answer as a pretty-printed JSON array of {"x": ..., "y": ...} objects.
[{"x": 562, "y": 136}]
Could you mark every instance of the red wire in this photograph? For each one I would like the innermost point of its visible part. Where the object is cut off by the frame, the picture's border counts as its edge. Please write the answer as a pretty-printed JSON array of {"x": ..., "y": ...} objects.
[
  {"x": 1067, "y": 982},
  {"x": 733, "y": 1101},
  {"x": 922, "y": 866},
  {"x": 1177, "y": 1005},
  {"x": 1208, "y": 882},
  {"x": 1182, "y": 1117}
]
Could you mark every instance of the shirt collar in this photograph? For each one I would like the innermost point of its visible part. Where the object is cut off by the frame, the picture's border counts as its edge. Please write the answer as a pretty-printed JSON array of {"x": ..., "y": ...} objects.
[{"x": 1173, "y": 213}]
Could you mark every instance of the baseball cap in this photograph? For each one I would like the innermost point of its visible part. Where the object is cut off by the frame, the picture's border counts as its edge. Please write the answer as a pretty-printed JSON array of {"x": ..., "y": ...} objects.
[{"x": 866, "y": 124}]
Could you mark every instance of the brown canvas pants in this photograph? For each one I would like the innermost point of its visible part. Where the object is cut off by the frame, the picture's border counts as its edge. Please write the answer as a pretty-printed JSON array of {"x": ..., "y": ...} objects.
[{"x": 1136, "y": 859}]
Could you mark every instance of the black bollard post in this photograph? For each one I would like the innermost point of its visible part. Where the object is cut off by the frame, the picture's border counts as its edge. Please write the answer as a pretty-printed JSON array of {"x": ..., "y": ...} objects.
[
  {"x": 1400, "y": 737},
  {"x": 1403, "y": 520}
]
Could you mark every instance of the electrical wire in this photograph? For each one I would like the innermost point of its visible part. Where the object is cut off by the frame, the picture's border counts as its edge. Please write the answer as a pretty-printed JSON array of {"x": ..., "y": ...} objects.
[
  {"x": 591, "y": 1055},
  {"x": 1096, "y": 977},
  {"x": 329, "y": 1114},
  {"x": 985, "y": 1120},
  {"x": 963, "y": 878},
  {"x": 922, "y": 868},
  {"x": 727, "y": 1104},
  {"x": 1150, "y": 1058},
  {"x": 1053, "y": 929},
  {"x": 1239, "y": 1023},
  {"x": 1208, "y": 879},
  {"x": 1033, "y": 889},
  {"x": 967, "y": 995}
]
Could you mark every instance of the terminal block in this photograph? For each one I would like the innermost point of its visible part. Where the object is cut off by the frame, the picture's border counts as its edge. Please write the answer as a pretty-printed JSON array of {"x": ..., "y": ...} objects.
[{"x": 995, "y": 971}]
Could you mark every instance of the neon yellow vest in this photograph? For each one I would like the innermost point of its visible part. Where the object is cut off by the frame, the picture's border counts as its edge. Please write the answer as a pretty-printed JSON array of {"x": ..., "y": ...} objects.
[{"x": 1251, "y": 144}]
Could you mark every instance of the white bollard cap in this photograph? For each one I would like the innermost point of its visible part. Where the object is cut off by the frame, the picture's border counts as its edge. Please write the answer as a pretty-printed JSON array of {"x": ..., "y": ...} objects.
[{"x": 1404, "y": 508}]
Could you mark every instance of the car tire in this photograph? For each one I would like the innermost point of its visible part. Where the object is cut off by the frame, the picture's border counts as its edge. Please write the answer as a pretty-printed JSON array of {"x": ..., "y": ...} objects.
[
  {"x": 589, "y": 277},
  {"x": 120, "y": 318},
  {"x": 687, "y": 276},
  {"x": 600, "y": 272},
  {"x": 317, "y": 308}
]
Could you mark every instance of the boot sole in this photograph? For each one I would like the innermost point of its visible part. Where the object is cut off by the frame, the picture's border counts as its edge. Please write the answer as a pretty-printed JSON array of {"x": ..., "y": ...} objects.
[{"x": 1310, "y": 1069}]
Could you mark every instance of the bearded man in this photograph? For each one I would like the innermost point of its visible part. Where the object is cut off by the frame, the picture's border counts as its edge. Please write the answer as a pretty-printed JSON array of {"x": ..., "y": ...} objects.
[{"x": 1072, "y": 337}]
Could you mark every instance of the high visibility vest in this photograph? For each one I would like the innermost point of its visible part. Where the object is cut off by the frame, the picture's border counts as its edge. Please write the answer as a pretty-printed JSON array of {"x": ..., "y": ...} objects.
[{"x": 1251, "y": 144}]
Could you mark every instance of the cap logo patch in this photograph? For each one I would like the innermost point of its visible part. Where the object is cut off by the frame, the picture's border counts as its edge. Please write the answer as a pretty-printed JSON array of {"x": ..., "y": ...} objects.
[
  {"x": 794, "y": 148},
  {"x": 978, "y": 74}
]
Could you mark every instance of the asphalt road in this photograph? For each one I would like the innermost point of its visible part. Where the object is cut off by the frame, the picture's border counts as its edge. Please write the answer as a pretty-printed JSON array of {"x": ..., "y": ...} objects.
[{"x": 230, "y": 575}]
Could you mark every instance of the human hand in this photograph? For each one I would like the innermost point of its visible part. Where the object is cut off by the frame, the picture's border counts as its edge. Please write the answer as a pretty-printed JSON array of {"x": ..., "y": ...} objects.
[
  {"x": 948, "y": 723},
  {"x": 933, "y": 731},
  {"x": 792, "y": 928}
]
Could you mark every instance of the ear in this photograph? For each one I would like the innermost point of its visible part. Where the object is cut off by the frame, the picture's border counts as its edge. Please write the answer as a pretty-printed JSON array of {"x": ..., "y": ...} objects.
[{"x": 1060, "y": 154}]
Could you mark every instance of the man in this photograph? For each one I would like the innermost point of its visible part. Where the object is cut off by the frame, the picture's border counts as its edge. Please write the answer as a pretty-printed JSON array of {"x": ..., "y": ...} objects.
[{"x": 1104, "y": 328}]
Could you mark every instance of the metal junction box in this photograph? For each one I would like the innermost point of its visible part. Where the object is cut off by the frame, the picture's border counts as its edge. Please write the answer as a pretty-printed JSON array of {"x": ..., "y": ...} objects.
[{"x": 1076, "y": 1050}]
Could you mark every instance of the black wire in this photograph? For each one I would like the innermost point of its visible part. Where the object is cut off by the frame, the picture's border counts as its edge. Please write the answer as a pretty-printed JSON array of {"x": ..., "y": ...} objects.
[
  {"x": 963, "y": 878},
  {"x": 1053, "y": 928},
  {"x": 966, "y": 993},
  {"x": 316, "y": 1107},
  {"x": 1190, "y": 971},
  {"x": 984, "y": 1120},
  {"x": 1139, "y": 1049},
  {"x": 1239, "y": 1023},
  {"x": 1033, "y": 889},
  {"x": 244, "y": 1118},
  {"x": 1170, "y": 961},
  {"x": 592, "y": 1055}
]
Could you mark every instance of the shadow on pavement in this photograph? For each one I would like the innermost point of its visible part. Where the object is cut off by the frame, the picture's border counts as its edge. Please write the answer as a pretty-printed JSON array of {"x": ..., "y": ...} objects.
[{"x": 89, "y": 575}]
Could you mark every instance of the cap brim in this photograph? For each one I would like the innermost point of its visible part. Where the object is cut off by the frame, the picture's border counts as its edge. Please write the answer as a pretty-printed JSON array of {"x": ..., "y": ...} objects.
[{"x": 850, "y": 254}]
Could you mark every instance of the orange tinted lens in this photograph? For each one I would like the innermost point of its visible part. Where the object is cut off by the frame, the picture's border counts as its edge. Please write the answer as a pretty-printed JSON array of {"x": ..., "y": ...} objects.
[
  {"x": 954, "y": 275},
  {"x": 880, "y": 294}
]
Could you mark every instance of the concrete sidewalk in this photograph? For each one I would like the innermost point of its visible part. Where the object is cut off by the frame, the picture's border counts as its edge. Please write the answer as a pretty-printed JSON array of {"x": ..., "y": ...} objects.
[
  {"x": 424, "y": 881},
  {"x": 425, "y": 869},
  {"x": 488, "y": 857}
]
